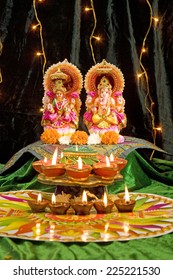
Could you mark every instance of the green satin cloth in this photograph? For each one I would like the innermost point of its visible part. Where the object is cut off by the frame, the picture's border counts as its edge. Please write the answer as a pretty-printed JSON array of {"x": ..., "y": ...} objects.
[{"x": 140, "y": 175}]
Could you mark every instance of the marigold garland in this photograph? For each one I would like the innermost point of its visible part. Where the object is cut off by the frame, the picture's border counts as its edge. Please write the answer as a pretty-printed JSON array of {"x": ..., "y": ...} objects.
[
  {"x": 50, "y": 136},
  {"x": 79, "y": 138},
  {"x": 110, "y": 137}
]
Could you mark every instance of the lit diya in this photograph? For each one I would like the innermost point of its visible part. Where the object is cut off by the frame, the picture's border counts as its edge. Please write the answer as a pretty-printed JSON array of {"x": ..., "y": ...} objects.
[
  {"x": 59, "y": 206},
  {"x": 78, "y": 171},
  {"x": 119, "y": 161},
  {"x": 125, "y": 204},
  {"x": 103, "y": 206},
  {"x": 105, "y": 169},
  {"x": 37, "y": 165},
  {"x": 53, "y": 169},
  {"x": 82, "y": 206},
  {"x": 38, "y": 205}
]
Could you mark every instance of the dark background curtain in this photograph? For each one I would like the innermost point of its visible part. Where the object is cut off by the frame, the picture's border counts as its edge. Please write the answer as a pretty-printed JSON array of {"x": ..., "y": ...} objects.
[{"x": 122, "y": 24}]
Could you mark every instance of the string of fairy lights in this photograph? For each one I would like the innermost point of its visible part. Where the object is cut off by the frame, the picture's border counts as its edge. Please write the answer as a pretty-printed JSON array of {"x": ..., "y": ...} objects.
[
  {"x": 92, "y": 36},
  {"x": 144, "y": 72},
  {"x": 39, "y": 26},
  {"x": 148, "y": 98}
]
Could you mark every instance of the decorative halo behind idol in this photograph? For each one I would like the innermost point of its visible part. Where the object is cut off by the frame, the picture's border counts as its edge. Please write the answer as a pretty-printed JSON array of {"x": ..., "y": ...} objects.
[{"x": 61, "y": 102}]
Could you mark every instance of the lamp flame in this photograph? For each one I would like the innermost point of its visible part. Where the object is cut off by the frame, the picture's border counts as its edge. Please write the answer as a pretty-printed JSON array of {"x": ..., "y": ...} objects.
[
  {"x": 39, "y": 198},
  {"x": 126, "y": 196},
  {"x": 107, "y": 162},
  {"x": 84, "y": 197},
  {"x": 45, "y": 160},
  {"x": 111, "y": 158},
  {"x": 80, "y": 165},
  {"x": 54, "y": 158},
  {"x": 105, "y": 199},
  {"x": 53, "y": 198}
]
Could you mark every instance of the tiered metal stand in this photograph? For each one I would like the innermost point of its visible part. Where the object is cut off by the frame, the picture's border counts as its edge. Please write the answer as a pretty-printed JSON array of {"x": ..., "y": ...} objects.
[{"x": 64, "y": 180}]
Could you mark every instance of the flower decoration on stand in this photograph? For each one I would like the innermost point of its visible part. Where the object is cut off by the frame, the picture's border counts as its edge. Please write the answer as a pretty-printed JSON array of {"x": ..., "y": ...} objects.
[
  {"x": 50, "y": 136},
  {"x": 79, "y": 138},
  {"x": 65, "y": 140},
  {"x": 94, "y": 139},
  {"x": 110, "y": 137}
]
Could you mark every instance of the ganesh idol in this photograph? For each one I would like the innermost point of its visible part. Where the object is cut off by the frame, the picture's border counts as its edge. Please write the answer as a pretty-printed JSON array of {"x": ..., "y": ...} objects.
[
  {"x": 61, "y": 102},
  {"x": 105, "y": 105}
]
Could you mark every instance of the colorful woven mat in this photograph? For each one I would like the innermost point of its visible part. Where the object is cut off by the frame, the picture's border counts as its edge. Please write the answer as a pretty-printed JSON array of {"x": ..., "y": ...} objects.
[{"x": 152, "y": 216}]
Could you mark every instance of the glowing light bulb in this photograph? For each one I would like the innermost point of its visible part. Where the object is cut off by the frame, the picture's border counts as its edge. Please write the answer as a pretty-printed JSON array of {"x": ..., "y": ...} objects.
[
  {"x": 156, "y": 19},
  {"x": 144, "y": 50},
  {"x": 87, "y": 9},
  {"x": 159, "y": 128},
  {"x": 140, "y": 75},
  {"x": 39, "y": 53},
  {"x": 35, "y": 26},
  {"x": 97, "y": 38}
]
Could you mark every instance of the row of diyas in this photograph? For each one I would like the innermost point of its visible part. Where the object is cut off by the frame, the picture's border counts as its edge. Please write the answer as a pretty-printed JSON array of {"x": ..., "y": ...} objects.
[
  {"x": 82, "y": 206},
  {"x": 106, "y": 167}
]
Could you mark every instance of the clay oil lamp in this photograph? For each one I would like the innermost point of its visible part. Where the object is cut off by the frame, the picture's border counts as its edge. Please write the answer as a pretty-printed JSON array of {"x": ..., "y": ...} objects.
[
  {"x": 38, "y": 205},
  {"x": 82, "y": 206},
  {"x": 119, "y": 161},
  {"x": 58, "y": 207},
  {"x": 103, "y": 206},
  {"x": 105, "y": 169},
  {"x": 125, "y": 204},
  {"x": 79, "y": 171},
  {"x": 53, "y": 169},
  {"x": 37, "y": 165}
]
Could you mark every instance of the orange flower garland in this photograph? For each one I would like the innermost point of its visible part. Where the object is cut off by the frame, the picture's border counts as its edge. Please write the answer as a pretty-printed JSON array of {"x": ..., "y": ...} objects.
[
  {"x": 50, "y": 136},
  {"x": 79, "y": 138},
  {"x": 110, "y": 137}
]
